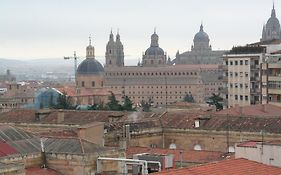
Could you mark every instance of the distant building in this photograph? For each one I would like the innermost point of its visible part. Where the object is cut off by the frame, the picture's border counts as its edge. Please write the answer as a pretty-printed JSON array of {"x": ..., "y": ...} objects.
[
  {"x": 201, "y": 52},
  {"x": 8, "y": 77},
  {"x": 154, "y": 79},
  {"x": 271, "y": 30}
]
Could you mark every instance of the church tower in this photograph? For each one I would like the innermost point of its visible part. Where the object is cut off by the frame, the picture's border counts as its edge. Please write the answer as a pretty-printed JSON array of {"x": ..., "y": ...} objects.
[
  {"x": 90, "y": 50},
  {"x": 114, "y": 54},
  {"x": 271, "y": 30},
  {"x": 119, "y": 51},
  {"x": 154, "y": 55}
]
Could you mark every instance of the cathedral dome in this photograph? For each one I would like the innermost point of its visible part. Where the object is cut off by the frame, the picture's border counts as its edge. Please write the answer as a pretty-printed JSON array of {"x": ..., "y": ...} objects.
[
  {"x": 154, "y": 51},
  {"x": 90, "y": 66},
  {"x": 201, "y": 36}
]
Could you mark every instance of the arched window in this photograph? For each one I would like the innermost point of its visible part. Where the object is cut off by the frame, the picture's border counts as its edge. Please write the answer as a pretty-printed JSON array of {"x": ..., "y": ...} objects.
[{"x": 197, "y": 147}]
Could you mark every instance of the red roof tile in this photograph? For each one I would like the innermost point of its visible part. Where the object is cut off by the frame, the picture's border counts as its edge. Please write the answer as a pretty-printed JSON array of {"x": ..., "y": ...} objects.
[
  {"x": 6, "y": 149},
  {"x": 252, "y": 110},
  {"x": 251, "y": 144},
  {"x": 227, "y": 167}
]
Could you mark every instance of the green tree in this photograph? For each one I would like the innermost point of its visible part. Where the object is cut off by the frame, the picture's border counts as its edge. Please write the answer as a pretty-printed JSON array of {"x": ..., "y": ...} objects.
[
  {"x": 216, "y": 100},
  {"x": 128, "y": 104},
  {"x": 146, "y": 105},
  {"x": 189, "y": 98},
  {"x": 113, "y": 104},
  {"x": 63, "y": 102}
]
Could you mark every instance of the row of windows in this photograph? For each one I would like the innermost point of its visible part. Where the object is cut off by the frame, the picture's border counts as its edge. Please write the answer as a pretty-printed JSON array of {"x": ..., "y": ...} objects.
[
  {"x": 241, "y": 97},
  {"x": 274, "y": 84},
  {"x": 151, "y": 87},
  {"x": 235, "y": 74},
  {"x": 151, "y": 73},
  {"x": 93, "y": 83},
  {"x": 156, "y": 92},
  {"x": 237, "y": 62},
  {"x": 236, "y": 85}
]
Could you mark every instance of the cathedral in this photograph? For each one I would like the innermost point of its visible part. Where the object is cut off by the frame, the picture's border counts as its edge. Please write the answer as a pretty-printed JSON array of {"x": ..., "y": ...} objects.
[
  {"x": 271, "y": 30},
  {"x": 201, "y": 52},
  {"x": 153, "y": 79}
]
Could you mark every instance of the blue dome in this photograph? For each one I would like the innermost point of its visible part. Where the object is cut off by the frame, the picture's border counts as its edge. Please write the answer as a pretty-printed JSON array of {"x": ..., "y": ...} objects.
[
  {"x": 201, "y": 36},
  {"x": 90, "y": 66},
  {"x": 154, "y": 51}
]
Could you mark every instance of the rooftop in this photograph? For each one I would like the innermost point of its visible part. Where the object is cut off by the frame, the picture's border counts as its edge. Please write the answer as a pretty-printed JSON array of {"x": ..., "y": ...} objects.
[
  {"x": 188, "y": 155},
  {"x": 226, "y": 167}
]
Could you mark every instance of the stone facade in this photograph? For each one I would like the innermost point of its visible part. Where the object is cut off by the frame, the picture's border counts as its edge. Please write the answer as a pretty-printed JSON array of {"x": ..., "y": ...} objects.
[{"x": 154, "y": 79}]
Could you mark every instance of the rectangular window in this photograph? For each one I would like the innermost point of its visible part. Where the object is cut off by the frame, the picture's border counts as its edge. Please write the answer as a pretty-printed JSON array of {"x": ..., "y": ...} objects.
[
  {"x": 241, "y": 97},
  {"x": 246, "y": 74},
  {"x": 241, "y": 85},
  {"x": 246, "y": 97},
  {"x": 246, "y": 86},
  {"x": 83, "y": 84},
  {"x": 236, "y": 63},
  {"x": 236, "y": 97},
  {"x": 246, "y": 62},
  {"x": 231, "y": 85},
  {"x": 93, "y": 84},
  {"x": 236, "y": 85},
  {"x": 241, "y": 62},
  {"x": 230, "y": 74},
  {"x": 231, "y": 63},
  {"x": 236, "y": 74}
]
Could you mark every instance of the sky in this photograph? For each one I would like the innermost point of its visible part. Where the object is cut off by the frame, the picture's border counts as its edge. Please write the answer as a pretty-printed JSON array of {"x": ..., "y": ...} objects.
[{"x": 34, "y": 29}]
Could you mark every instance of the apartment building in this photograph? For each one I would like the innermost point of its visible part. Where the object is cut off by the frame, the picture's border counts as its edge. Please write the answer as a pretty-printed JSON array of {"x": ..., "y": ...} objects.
[
  {"x": 241, "y": 71},
  {"x": 271, "y": 80}
]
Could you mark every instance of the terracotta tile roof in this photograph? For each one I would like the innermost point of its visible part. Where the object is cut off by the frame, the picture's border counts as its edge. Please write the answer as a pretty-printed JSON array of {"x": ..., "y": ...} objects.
[
  {"x": 41, "y": 171},
  {"x": 252, "y": 110},
  {"x": 188, "y": 155},
  {"x": 227, "y": 167},
  {"x": 251, "y": 144},
  {"x": 6, "y": 149},
  {"x": 137, "y": 120}
]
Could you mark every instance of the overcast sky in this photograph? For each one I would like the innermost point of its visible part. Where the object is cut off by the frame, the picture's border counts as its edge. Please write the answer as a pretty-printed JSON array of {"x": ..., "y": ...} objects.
[{"x": 31, "y": 29}]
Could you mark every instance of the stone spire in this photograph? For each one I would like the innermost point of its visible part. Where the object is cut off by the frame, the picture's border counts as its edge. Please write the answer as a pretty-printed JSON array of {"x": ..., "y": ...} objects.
[
  {"x": 273, "y": 14},
  {"x": 111, "y": 36}
]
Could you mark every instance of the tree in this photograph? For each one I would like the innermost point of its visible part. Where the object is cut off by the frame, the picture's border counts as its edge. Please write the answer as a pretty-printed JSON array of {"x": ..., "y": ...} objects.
[
  {"x": 113, "y": 104},
  {"x": 189, "y": 98},
  {"x": 63, "y": 102},
  {"x": 216, "y": 100},
  {"x": 128, "y": 104},
  {"x": 146, "y": 105}
]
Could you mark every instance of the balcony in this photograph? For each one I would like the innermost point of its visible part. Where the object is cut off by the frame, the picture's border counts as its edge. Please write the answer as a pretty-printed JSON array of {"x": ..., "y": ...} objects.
[
  {"x": 255, "y": 79},
  {"x": 253, "y": 67},
  {"x": 274, "y": 78},
  {"x": 274, "y": 91},
  {"x": 254, "y": 91}
]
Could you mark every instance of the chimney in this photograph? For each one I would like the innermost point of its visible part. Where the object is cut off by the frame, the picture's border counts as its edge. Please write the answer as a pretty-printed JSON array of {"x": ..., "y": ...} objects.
[
  {"x": 197, "y": 123},
  {"x": 263, "y": 108},
  {"x": 241, "y": 110},
  {"x": 60, "y": 117}
]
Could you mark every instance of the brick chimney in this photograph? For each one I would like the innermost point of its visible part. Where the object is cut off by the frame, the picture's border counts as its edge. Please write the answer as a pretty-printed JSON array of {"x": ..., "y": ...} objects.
[{"x": 60, "y": 117}]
